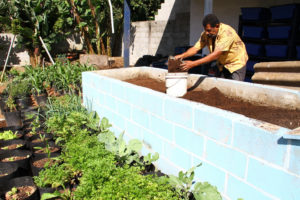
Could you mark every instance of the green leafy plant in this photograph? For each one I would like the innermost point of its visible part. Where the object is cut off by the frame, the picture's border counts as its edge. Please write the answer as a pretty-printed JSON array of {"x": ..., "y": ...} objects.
[
  {"x": 8, "y": 135},
  {"x": 19, "y": 88},
  {"x": 13, "y": 191},
  {"x": 124, "y": 153},
  {"x": 32, "y": 19},
  {"x": 205, "y": 191},
  {"x": 11, "y": 105},
  {"x": 183, "y": 182},
  {"x": 37, "y": 77},
  {"x": 4, "y": 16},
  {"x": 54, "y": 176}
]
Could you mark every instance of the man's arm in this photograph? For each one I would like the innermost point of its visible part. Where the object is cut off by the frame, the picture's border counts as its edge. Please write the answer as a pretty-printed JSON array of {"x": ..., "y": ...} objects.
[
  {"x": 211, "y": 57},
  {"x": 190, "y": 52}
]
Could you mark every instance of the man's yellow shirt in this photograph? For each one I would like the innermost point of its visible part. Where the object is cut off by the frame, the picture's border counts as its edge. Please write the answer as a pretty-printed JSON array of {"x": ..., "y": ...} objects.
[{"x": 234, "y": 55}]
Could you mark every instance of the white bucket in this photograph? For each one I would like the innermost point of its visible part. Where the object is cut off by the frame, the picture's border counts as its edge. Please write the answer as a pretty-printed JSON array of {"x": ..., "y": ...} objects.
[{"x": 176, "y": 84}]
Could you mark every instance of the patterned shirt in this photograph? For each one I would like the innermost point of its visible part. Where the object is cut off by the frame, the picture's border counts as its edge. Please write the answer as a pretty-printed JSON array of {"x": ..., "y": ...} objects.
[{"x": 234, "y": 55}]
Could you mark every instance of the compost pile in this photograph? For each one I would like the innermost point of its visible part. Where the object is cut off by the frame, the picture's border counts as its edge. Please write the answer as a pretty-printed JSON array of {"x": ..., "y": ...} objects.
[{"x": 282, "y": 117}]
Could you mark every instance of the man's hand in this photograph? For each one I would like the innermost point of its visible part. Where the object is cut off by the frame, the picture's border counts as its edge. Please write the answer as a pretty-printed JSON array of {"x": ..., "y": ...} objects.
[
  {"x": 188, "y": 64},
  {"x": 178, "y": 57}
]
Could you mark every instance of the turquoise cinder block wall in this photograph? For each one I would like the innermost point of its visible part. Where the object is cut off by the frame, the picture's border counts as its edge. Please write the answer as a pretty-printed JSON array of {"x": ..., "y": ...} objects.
[{"x": 243, "y": 157}]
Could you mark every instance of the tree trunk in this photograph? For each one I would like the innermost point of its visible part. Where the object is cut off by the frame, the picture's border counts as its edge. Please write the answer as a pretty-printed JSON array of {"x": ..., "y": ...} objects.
[
  {"x": 83, "y": 30},
  {"x": 96, "y": 27},
  {"x": 35, "y": 57}
]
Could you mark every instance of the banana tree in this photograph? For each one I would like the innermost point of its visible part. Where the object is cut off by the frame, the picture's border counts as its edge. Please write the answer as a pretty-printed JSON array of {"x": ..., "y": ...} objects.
[
  {"x": 5, "y": 19},
  {"x": 32, "y": 19}
]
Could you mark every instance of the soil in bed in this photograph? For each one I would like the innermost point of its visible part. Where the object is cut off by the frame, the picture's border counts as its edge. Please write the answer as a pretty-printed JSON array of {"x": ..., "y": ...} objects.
[{"x": 282, "y": 117}]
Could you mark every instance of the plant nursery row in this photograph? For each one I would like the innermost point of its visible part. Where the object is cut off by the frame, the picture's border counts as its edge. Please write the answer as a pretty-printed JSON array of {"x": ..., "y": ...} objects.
[{"x": 54, "y": 148}]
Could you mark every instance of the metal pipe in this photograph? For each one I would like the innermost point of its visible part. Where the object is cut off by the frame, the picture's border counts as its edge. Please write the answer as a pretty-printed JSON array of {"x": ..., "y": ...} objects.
[
  {"x": 111, "y": 17},
  {"x": 46, "y": 50},
  {"x": 8, "y": 54}
]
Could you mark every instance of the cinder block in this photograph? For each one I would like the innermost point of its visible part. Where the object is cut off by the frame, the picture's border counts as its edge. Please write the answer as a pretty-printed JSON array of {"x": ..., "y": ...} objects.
[
  {"x": 123, "y": 108},
  {"x": 110, "y": 102},
  {"x": 103, "y": 111},
  {"x": 85, "y": 76},
  {"x": 118, "y": 90},
  {"x": 179, "y": 111},
  {"x": 216, "y": 124},
  {"x": 177, "y": 156},
  {"x": 98, "y": 97},
  {"x": 240, "y": 189},
  {"x": 167, "y": 167},
  {"x": 209, "y": 173},
  {"x": 227, "y": 158},
  {"x": 294, "y": 165},
  {"x": 189, "y": 140},
  {"x": 161, "y": 127},
  {"x": 152, "y": 142},
  {"x": 259, "y": 142},
  {"x": 140, "y": 116},
  {"x": 118, "y": 121},
  {"x": 153, "y": 102},
  {"x": 134, "y": 130},
  {"x": 134, "y": 95},
  {"x": 101, "y": 83},
  {"x": 274, "y": 181}
]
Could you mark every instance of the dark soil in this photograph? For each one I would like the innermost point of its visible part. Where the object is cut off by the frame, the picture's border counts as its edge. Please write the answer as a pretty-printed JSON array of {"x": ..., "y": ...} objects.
[
  {"x": 12, "y": 146},
  {"x": 41, "y": 163},
  {"x": 15, "y": 158},
  {"x": 44, "y": 150},
  {"x": 22, "y": 193},
  {"x": 174, "y": 65},
  {"x": 282, "y": 117}
]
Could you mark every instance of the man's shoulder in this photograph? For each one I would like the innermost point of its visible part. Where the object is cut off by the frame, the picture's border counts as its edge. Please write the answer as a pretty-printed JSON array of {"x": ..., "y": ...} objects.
[
  {"x": 227, "y": 30},
  {"x": 226, "y": 27}
]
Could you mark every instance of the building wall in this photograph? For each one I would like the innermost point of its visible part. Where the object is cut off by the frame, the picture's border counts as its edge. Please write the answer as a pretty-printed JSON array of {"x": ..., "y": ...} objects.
[
  {"x": 243, "y": 157},
  {"x": 161, "y": 36}
]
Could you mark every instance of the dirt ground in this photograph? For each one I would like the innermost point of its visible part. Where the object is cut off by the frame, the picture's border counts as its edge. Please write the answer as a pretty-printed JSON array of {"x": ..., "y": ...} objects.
[{"x": 282, "y": 117}]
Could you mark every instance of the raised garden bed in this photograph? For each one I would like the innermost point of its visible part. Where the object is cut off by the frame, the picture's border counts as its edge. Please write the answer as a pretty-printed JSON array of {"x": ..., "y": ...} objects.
[{"x": 283, "y": 117}]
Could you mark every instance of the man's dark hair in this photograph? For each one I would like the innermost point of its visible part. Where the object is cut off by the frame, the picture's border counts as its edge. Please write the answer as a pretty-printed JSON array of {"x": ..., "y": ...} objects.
[{"x": 210, "y": 19}]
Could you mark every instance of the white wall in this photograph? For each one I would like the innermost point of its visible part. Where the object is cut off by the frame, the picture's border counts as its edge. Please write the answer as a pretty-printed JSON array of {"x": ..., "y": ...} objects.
[{"x": 227, "y": 11}]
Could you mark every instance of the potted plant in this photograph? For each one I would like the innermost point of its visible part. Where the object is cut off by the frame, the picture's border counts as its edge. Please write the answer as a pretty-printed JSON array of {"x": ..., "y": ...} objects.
[
  {"x": 21, "y": 188},
  {"x": 20, "y": 91},
  {"x": 11, "y": 114},
  {"x": 37, "y": 78}
]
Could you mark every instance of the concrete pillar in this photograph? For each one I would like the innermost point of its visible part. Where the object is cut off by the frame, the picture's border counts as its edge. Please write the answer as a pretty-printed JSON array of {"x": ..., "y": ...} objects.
[{"x": 208, "y": 7}]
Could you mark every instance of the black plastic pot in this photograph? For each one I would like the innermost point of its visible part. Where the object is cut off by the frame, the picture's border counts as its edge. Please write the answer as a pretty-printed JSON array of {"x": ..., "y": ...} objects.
[
  {"x": 7, "y": 143},
  {"x": 51, "y": 145},
  {"x": 10, "y": 170},
  {"x": 43, "y": 190},
  {"x": 36, "y": 170},
  {"x": 3, "y": 104},
  {"x": 24, "y": 163},
  {"x": 19, "y": 182},
  {"x": 41, "y": 99},
  {"x": 12, "y": 128},
  {"x": 24, "y": 103},
  {"x": 13, "y": 118},
  {"x": 33, "y": 143},
  {"x": 20, "y": 134}
]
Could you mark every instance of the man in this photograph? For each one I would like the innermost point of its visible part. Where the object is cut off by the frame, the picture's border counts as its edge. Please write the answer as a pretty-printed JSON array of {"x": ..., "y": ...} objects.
[{"x": 224, "y": 45}]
